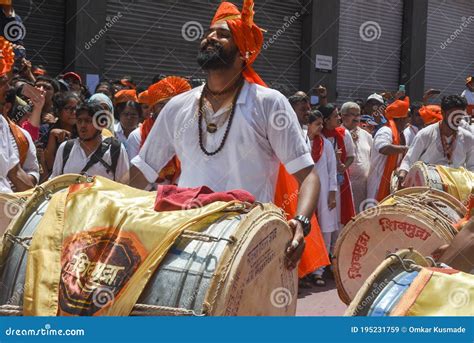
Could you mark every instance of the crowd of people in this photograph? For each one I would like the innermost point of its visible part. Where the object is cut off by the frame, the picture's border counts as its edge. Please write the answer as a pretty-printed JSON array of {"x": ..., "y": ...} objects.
[{"x": 220, "y": 134}]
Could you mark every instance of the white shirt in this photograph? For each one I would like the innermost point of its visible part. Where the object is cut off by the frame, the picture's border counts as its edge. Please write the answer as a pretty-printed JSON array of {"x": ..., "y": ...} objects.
[
  {"x": 264, "y": 131},
  {"x": 8, "y": 159},
  {"x": 326, "y": 167},
  {"x": 359, "y": 169},
  {"x": 31, "y": 166},
  {"x": 469, "y": 96},
  {"x": 78, "y": 159},
  {"x": 134, "y": 142},
  {"x": 410, "y": 133},
  {"x": 428, "y": 148},
  {"x": 382, "y": 138},
  {"x": 119, "y": 134}
]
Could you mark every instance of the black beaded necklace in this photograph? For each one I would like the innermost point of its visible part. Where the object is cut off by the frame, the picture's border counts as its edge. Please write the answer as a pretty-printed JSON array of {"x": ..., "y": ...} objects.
[{"x": 229, "y": 124}]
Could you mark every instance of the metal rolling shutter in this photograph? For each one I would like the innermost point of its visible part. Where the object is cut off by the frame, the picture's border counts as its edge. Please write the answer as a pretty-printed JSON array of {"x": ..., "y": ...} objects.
[
  {"x": 368, "y": 66},
  {"x": 44, "y": 40},
  {"x": 447, "y": 65},
  {"x": 148, "y": 39}
]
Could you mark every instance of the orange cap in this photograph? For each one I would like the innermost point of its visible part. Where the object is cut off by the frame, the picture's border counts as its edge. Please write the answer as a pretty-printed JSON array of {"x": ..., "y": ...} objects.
[
  {"x": 7, "y": 56},
  {"x": 167, "y": 88},
  {"x": 430, "y": 114},
  {"x": 125, "y": 95},
  {"x": 398, "y": 109}
]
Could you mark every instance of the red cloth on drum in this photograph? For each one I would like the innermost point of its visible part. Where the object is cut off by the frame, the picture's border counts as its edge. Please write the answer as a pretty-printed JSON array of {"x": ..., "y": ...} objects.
[
  {"x": 347, "y": 202},
  {"x": 315, "y": 254},
  {"x": 174, "y": 198},
  {"x": 390, "y": 165}
]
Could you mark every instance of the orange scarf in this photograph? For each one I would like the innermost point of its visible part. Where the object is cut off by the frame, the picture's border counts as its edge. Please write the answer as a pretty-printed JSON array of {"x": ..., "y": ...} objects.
[
  {"x": 20, "y": 139},
  {"x": 286, "y": 197},
  {"x": 390, "y": 165}
]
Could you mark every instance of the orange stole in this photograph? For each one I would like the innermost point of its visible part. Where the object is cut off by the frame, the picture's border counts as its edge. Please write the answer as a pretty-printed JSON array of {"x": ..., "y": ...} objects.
[
  {"x": 390, "y": 164},
  {"x": 20, "y": 139},
  {"x": 286, "y": 197}
]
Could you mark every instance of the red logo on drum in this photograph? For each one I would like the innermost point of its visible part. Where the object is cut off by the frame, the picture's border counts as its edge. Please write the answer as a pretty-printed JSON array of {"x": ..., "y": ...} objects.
[{"x": 96, "y": 265}]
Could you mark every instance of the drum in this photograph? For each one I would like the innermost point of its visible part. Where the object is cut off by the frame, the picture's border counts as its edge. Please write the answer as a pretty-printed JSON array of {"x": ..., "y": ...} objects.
[
  {"x": 10, "y": 207},
  {"x": 456, "y": 181},
  {"x": 214, "y": 272},
  {"x": 29, "y": 208},
  {"x": 422, "y": 219},
  {"x": 393, "y": 182},
  {"x": 407, "y": 284},
  {"x": 385, "y": 286}
]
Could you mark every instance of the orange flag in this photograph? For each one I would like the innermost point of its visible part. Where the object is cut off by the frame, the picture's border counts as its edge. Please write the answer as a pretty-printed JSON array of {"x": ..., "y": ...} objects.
[{"x": 286, "y": 197}]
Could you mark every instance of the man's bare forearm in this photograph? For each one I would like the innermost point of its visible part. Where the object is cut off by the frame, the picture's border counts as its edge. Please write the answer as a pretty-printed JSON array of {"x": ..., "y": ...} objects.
[{"x": 308, "y": 193}]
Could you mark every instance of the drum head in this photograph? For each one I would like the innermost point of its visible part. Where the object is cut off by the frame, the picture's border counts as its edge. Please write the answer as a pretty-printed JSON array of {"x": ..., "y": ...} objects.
[
  {"x": 375, "y": 284},
  {"x": 440, "y": 202},
  {"x": 423, "y": 175},
  {"x": 251, "y": 279},
  {"x": 371, "y": 235}
]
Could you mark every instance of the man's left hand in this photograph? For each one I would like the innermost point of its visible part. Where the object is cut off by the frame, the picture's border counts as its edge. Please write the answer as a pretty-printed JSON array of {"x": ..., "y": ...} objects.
[{"x": 295, "y": 248}]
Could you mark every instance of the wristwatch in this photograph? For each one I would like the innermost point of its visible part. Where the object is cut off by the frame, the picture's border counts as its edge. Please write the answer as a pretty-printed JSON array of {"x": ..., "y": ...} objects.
[{"x": 306, "y": 223}]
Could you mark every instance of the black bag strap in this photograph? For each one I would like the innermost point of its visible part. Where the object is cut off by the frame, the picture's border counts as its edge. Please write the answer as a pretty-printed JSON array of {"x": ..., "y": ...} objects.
[
  {"x": 115, "y": 148},
  {"x": 66, "y": 152}
]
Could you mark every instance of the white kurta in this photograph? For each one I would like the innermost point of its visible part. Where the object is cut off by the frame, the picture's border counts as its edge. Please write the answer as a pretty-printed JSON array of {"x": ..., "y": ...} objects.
[
  {"x": 382, "y": 138},
  {"x": 78, "y": 159},
  {"x": 264, "y": 131},
  {"x": 8, "y": 159},
  {"x": 119, "y": 134},
  {"x": 428, "y": 148},
  {"x": 359, "y": 169},
  {"x": 134, "y": 142},
  {"x": 410, "y": 133},
  {"x": 327, "y": 170},
  {"x": 350, "y": 152},
  {"x": 469, "y": 96}
]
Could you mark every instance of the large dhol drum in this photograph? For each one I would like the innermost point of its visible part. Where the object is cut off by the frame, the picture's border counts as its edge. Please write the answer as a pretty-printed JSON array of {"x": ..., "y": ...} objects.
[
  {"x": 235, "y": 266},
  {"x": 419, "y": 218},
  {"x": 386, "y": 285},
  {"x": 457, "y": 182},
  {"x": 408, "y": 284},
  {"x": 27, "y": 209}
]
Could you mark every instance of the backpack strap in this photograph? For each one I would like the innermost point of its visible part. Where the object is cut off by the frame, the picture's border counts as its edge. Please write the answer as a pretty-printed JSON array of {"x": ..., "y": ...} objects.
[
  {"x": 115, "y": 150},
  {"x": 97, "y": 157},
  {"x": 66, "y": 152}
]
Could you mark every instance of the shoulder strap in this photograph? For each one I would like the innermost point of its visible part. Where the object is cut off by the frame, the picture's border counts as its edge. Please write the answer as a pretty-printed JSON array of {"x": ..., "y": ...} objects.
[
  {"x": 97, "y": 157},
  {"x": 67, "y": 152},
  {"x": 115, "y": 150}
]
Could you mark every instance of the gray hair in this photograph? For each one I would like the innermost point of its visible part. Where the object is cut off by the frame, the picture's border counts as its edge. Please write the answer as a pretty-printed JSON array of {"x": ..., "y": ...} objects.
[{"x": 349, "y": 106}]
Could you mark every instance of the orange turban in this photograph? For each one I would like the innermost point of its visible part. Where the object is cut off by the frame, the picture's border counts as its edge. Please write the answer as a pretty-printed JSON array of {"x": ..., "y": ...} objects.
[
  {"x": 167, "y": 88},
  {"x": 144, "y": 98},
  {"x": 398, "y": 109},
  {"x": 7, "y": 56},
  {"x": 430, "y": 114},
  {"x": 246, "y": 34},
  {"x": 125, "y": 95}
]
